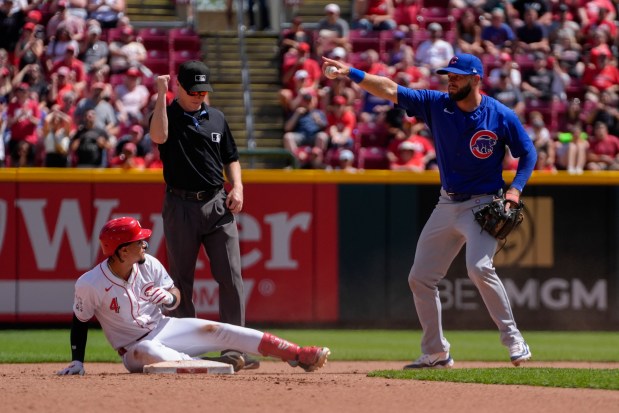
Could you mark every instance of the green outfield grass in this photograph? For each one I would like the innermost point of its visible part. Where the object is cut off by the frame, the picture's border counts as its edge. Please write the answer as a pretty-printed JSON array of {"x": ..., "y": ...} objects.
[
  {"x": 36, "y": 346},
  {"x": 40, "y": 346}
]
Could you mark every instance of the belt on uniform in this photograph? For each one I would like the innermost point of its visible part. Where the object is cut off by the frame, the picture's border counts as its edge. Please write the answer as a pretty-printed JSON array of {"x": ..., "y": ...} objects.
[
  {"x": 205, "y": 195},
  {"x": 122, "y": 351},
  {"x": 458, "y": 197}
]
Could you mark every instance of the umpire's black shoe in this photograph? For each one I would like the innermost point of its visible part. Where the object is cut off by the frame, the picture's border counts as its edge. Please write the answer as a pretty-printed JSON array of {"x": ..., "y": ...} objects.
[
  {"x": 251, "y": 363},
  {"x": 234, "y": 358}
]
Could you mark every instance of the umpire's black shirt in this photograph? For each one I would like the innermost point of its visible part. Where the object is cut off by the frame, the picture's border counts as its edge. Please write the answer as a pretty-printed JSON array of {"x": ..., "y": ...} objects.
[{"x": 199, "y": 144}]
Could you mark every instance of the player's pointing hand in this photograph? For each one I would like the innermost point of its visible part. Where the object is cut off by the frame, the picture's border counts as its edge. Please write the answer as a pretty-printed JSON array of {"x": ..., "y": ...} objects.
[{"x": 342, "y": 68}]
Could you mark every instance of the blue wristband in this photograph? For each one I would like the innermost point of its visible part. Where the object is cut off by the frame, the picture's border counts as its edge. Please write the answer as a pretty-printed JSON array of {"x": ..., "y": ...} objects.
[{"x": 356, "y": 75}]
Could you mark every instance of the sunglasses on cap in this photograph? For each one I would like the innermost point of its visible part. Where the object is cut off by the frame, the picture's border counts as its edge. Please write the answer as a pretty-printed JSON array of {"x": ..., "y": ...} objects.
[{"x": 201, "y": 94}]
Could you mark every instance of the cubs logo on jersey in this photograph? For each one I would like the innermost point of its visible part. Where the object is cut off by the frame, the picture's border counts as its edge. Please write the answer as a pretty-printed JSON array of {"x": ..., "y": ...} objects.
[{"x": 482, "y": 144}]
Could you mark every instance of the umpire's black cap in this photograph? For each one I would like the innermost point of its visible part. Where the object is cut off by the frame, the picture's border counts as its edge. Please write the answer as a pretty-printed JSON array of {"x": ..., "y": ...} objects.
[{"x": 194, "y": 76}]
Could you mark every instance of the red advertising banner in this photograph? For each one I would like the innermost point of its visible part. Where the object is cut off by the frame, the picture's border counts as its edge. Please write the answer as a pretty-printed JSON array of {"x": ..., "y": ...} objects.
[
  {"x": 288, "y": 236},
  {"x": 282, "y": 237},
  {"x": 8, "y": 252}
]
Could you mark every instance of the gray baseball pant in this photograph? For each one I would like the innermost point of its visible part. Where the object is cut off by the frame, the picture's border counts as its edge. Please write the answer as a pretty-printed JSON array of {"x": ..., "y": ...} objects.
[{"x": 450, "y": 226}]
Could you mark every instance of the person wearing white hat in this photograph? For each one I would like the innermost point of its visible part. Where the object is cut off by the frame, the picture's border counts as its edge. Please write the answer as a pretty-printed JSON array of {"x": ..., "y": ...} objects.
[
  {"x": 333, "y": 31},
  {"x": 346, "y": 160},
  {"x": 435, "y": 52}
]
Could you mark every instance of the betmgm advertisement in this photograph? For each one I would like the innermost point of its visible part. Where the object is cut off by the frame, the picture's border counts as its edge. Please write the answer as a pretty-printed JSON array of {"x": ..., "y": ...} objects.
[{"x": 321, "y": 253}]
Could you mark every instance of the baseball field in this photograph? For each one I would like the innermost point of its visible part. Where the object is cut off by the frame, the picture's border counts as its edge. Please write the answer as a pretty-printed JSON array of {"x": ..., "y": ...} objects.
[{"x": 570, "y": 372}]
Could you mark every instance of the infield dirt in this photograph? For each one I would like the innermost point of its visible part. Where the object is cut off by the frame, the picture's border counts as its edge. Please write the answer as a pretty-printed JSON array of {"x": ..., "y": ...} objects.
[{"x": 339, "y": 387}]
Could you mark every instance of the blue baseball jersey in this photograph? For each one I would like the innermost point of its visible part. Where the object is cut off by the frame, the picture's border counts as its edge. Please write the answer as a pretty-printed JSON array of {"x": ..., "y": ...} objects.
[{"x": 470, "y": 147}]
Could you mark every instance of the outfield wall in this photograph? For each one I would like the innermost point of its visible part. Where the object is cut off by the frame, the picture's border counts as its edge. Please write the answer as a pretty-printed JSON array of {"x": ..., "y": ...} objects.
[{"x": 320, "y": 247}]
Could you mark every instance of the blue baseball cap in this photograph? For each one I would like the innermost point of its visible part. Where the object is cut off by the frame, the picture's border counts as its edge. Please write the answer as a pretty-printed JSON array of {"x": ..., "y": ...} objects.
[{"x": 463, "y": 64}]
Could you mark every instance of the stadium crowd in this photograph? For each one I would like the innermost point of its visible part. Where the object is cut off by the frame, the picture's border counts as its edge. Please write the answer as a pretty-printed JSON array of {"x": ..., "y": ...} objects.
[
  {"x": 76, "y": 84},
  {"x": 553, "y": 62}
]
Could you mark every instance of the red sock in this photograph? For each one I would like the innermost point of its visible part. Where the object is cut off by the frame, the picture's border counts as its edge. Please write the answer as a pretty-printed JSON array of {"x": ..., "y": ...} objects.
[{"x": 274, "y": 346}]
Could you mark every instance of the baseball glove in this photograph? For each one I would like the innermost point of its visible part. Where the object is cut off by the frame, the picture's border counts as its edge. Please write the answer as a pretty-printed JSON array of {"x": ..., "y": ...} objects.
[{"x": 493, "y": 218}]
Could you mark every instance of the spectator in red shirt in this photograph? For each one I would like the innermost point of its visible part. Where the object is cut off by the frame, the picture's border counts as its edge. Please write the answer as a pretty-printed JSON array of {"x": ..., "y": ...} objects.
[
  {"x": 62, "y": 82},
  {"x": 128, "y": 158},
  {"x": 405, "y": 14},
  {"x": 341, "y": 122},
  {"x": 75, "y": 65},
  {"x": 300, "y": 60},
  {"x": 601, "y": 76},
  {"x": 412, "y": 154},
  {"x": 23, "y": 117},
  {"x": 153, "y": 159},
  {"x": 601, "y": 23},
  {"x": 374, "y": 15},
  {"x": 290, "y": 98},
  {"x": 603, "y": 149}
]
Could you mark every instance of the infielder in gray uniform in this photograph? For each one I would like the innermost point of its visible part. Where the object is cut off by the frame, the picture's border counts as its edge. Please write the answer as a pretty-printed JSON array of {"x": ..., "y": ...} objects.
[{"x": 471, "y": 132}]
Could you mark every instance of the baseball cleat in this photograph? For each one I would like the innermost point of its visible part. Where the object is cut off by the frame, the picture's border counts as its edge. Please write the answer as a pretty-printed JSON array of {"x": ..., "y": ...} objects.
[
  {"x": 440, "y": 360},
  {"x": 519, "y": 352},
  {"x": 312, "y": 358},
  {"x": 234, "y": 358},
  {"x": 251, "y": 363}
]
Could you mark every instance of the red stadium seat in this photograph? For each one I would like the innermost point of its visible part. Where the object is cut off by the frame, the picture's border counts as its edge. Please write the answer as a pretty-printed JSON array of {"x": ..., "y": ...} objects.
[
  {"x": 371, "y": 135},
  {"x": 439, "y": 15},
  {"x": 154, "y": 39},
  {"x": 157, "y": 54},
  {"x": 184, "y": 39},
  {"x": 419, "y": 36},
  {"x": 113, "y": 34},
  {"x": 158, "y": 66},
  {"x": 362, "y": 40},
  {"x": 181, "y": 56},
  {"x": 386, "y": 38},
  {"x": 373, "y": 158}
]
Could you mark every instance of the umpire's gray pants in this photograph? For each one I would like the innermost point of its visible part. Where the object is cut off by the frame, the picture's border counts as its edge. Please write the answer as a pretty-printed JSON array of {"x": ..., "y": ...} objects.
[{"x": 189, "y": 224}]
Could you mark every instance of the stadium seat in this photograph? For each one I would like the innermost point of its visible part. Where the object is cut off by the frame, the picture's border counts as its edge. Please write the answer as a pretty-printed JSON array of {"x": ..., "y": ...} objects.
[
  {"x": 181, "y": 56},
  {"x": 524, "y": 62},
  {"x": 159, "y": 66},
  {"x": 113, "y": 34},
  {"x": 436, "y": 3},
  {"x": 154, "y": 39},
  {"x": 371, "y": 135},
  {"x": 386, "y": 38},
  {"x": 440, "y": 15},
  {"x": 373, "y": 158},
  {"x": 362, "y": 40},
  {"x": 184, "y": 39},
  {"x": 419, "y": 36},
  {"x": 332, "y": 157}
]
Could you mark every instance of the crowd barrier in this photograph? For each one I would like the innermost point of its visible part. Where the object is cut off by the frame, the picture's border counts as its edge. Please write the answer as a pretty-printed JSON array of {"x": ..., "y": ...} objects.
[{"x": 321, "y": 247}]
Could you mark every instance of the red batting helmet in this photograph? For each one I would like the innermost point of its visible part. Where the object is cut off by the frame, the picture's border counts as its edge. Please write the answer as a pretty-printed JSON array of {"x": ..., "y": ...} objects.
[{"x": 121, "y": 231}]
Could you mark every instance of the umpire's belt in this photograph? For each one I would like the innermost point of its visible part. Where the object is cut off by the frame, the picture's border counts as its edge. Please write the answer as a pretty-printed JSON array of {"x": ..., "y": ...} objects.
[
  {"x": 205, "y": 195},
  {"x": 122, "y": 351}
]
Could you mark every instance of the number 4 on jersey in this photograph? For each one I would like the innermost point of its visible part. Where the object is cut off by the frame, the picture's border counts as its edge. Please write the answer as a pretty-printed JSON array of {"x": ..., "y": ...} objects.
[{"x": 114, "y": 305}]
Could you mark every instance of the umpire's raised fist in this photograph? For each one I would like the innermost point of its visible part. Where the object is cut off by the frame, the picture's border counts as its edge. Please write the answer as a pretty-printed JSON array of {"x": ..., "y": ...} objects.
[{"x": 162, "y": 83}]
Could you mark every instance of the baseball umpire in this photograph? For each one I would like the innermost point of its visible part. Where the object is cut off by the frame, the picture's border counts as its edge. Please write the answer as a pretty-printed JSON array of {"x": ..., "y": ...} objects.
[
  {"x": 196, "y": 146},
  {"x": 127, "y": 291},
  {"x": 471, "y": 132}
]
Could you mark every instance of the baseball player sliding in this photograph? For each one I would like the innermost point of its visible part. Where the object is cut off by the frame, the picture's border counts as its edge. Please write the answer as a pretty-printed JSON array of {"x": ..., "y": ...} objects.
[
  {"x": 471, "y": 132},
  {"x": 126, "y": 292}
]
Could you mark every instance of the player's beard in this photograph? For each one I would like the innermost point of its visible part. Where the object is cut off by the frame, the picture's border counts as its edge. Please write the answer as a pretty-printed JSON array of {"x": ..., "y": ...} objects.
[
  {"x": 462, "y": 93},
  {"x": 142, "y": 261}
]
